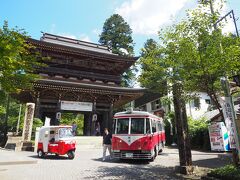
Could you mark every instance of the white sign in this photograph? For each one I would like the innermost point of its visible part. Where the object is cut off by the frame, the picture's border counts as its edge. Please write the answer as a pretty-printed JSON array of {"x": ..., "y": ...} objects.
[
  {"x": 218, "y": 137},
  {"x": 76, "y": 106},
  {"x": 229, "y": 118},
  {"x": 58, "y": 115},
  {"x": 94, "y": 118}
]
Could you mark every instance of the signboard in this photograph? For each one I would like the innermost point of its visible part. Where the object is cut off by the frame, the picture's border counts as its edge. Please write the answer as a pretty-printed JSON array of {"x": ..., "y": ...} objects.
[
  {"x": 94, "y": 117},
  {"x": 76, "y": 106},
  {"x": 219, "y": 138},
  {"x": 58, "y": 115},
  {"x": 228, "y": 116},
  {"x": 28, "y": 122}
]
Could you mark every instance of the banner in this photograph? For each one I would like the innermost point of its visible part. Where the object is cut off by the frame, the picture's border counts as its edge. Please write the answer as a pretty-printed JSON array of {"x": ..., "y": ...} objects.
[
  {"x": 228, "y": 114},
  {"x": 76, "y": 106}
]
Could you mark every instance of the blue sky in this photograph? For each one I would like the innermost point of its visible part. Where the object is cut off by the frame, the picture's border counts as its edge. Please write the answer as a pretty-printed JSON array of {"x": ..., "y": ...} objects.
[{"x": 83, "y": 19}]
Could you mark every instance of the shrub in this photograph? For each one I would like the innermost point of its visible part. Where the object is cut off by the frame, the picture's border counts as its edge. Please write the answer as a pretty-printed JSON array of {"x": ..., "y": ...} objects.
[
  {"x": 226, "y": 172},
  {"x": 198, "y": 131}
]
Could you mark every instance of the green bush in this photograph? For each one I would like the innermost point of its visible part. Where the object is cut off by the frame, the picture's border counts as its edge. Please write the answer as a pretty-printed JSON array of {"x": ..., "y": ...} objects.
[
  {"x": 198, "y": 131},
  {"x": 226, "y": 172},
  {"x": 69, "y": 118}
]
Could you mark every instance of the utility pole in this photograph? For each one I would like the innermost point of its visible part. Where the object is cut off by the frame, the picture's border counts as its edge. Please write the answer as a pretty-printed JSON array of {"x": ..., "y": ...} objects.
[
  {"x": 225, "y": 85},
  {"x": 19, "y": 117},
  {"x": 6, "y": 117}
]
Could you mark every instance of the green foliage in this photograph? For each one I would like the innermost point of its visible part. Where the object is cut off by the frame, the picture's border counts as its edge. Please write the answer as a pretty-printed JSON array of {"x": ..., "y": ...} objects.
[
  {"x": 17, "y": 60},
  {"x": 226, "y": 172},
  {"x": 198, "y": 132},
  {"x": 193, "y": 54},
  {"x": 69, "y": 118},
  {"x": 149, "y": 46},
  {"x": 117, "y": 35}
]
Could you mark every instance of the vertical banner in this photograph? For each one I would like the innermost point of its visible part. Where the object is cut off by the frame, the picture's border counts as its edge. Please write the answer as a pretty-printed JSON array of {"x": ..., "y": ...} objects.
[
  {"x": 228, "y": 114},
  {"x": 28, "y": 122}
]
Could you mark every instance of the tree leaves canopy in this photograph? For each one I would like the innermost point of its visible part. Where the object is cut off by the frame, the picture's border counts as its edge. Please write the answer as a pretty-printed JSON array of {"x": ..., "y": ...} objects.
[
  {"x": 17, "y": 59},
  {"x": 117, "y": 35},
  {"x": 193, "y": 53}
]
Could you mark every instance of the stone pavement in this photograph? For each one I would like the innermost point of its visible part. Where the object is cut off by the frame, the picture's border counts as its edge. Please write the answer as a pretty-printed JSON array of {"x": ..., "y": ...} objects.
[{"x": 88, "y": 165}]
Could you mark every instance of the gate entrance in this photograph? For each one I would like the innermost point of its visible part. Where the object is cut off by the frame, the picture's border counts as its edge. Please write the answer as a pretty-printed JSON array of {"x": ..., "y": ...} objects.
[{"x": 79, "y": 72}]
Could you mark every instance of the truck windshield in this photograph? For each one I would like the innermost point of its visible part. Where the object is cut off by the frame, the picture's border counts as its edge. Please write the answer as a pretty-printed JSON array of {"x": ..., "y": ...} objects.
[
  {"x": 122, "y": 126},
  {"x": 137, "y": 126},
  {"x": 65, "y": 132}
]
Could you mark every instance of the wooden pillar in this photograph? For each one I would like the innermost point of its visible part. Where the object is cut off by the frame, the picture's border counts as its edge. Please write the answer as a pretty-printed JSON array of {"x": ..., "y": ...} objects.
[
  {"x": 87, "y": 124},
  {"x": 37, "y": 108},
  {"x": 110, "y": 117}
]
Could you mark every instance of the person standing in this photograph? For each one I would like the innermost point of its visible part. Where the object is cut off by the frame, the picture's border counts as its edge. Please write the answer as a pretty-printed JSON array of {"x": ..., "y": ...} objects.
[
  {"x": 74, "y": 128},
  {"x": 97, "y": 129},
  {"x": 107, "y": 143}
]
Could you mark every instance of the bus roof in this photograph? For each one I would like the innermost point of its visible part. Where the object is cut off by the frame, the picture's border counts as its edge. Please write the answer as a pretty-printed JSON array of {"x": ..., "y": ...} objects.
[{"x": 135, "y": 113}]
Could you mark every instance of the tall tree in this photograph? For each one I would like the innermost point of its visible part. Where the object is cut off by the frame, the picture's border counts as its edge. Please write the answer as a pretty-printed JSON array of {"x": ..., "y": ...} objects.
[
  {"x": 148, "y": 47},
  {"x": 17, "y": 60},
  {"x": 117, "y": 35},
  {"x": 191, "y": 57}
]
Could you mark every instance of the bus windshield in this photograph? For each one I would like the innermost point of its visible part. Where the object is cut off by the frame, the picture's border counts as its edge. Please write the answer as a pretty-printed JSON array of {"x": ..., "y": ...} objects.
[
  {"x": 137, "y": 126},
  {"x": 122, "y": 126}
]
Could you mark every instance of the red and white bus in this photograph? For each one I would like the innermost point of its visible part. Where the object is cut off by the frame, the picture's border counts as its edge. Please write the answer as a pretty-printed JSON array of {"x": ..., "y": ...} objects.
[{"x": 137, "y": 135}]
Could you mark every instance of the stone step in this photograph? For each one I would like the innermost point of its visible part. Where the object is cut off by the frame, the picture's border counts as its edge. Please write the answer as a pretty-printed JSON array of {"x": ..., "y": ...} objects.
[{"x": 89, "y": 141}]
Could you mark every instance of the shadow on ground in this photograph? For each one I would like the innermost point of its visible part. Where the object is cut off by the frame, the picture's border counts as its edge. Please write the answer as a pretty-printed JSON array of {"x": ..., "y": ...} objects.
[
  {"x": 139, "y": 171},
  {"x": 51, "y": 157},
  {"x": 123, "y": 161},
  {"x": 220, "y": 161}
]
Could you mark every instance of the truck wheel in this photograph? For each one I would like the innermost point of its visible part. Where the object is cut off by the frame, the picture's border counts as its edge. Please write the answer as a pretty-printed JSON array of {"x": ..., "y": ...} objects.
[
  {"x": 71, "y": 154},
  {"x": 40, "y": 153}
]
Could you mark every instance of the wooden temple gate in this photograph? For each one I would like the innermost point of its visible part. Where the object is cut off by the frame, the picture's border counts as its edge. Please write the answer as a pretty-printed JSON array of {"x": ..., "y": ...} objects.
[{"x": 79, "y": 72}]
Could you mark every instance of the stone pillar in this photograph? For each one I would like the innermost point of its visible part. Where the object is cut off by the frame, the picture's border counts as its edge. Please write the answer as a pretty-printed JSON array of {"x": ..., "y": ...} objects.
[
  {"x": 28, "y": 122},
  {"x": 27, "y": 128}
]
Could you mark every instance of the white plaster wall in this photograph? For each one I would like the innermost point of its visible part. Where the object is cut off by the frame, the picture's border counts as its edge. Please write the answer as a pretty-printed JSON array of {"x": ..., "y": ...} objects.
[{"x": 196, "y": 113}]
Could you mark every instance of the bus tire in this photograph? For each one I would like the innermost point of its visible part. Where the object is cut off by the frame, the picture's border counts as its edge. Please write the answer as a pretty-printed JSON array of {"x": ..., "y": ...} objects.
[
  {"x": 161, "y": 148},
  {"x": 154, "y": 155}
]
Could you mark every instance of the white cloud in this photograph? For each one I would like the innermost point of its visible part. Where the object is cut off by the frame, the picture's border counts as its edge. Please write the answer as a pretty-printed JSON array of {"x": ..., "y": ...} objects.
[
  {"x": 146, "y": 16},
  {"x": 82, "y": 37},
  {"x": 228, "y": 21},
  {"x": 85, "y": 37},
  {"x": 68, "y": 35},
  {"x": 96, "y": 31}
]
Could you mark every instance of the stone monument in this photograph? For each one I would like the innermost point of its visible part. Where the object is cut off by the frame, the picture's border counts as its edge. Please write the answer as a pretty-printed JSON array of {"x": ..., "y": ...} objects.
[{"x": 27, "y": 128}]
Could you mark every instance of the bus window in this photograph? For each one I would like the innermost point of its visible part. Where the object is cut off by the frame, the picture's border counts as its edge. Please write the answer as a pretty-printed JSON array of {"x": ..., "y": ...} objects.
[
  {"x": 148, "y": 131},
  {"x": 122, "y": 126},
  {"x": 159, "y": 126},
  {"x": 154, "y": 128},
  {"x": 137, "y": 126},
  {"x": 114, "y": 126}
]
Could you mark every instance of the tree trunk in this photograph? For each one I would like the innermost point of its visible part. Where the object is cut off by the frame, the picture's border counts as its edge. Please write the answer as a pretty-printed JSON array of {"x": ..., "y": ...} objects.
[{"x": 184, "y": 147}]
